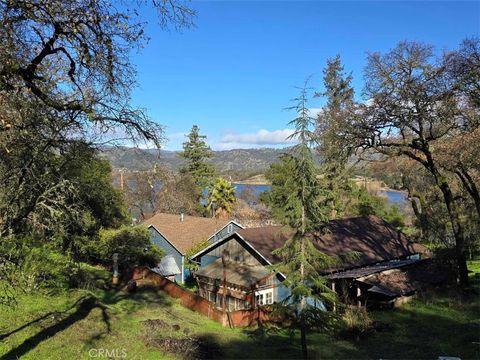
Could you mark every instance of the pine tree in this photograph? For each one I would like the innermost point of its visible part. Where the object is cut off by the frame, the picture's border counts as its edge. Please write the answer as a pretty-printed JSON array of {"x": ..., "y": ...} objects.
[
  {"x": 302, "y": 212},
  {"x": 331, "y": 123},
  {"x": 196, "y": 154}
]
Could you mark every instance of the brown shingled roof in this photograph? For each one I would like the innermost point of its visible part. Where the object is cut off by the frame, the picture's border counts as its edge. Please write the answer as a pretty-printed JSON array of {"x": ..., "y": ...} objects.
[
  {"x": 187, "y": 233},
  {"x": 406, "y": 280},
  {"x": 374, "y": 239}
]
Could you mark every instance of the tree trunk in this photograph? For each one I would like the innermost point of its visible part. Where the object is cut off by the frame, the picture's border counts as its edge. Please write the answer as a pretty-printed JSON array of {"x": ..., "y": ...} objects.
[
  {"x": 303, "y": 336},
  {"x": 471, "y": 187},
  {"x": 453, "y": 215},
  {"x": 457, "y": 232},
  {"x": 303, "y": 330}
]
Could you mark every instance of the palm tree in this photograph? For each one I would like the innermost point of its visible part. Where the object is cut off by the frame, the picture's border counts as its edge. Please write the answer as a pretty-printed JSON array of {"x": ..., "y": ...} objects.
[{"x": 221, "y": 197}]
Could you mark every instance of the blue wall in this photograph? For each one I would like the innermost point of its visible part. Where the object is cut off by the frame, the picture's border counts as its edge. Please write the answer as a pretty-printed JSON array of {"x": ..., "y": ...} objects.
[
  {"x": 224, "y": 232},
  {"x": 162, "y": 243}
]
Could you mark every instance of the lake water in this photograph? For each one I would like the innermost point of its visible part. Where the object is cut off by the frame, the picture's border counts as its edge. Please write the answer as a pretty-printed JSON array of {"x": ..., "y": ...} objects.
[{"x": 398, "y": 198}]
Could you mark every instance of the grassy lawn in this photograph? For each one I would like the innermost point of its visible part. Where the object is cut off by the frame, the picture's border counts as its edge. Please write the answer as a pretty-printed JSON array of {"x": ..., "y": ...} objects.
[{"x": 67, "y": 325}]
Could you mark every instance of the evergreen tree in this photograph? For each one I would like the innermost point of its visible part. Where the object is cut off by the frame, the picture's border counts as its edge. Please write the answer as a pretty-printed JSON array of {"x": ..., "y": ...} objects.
[
  {"x": 297, "y": 204},
  {"x": 196, "y": 153},
  {"x": 330, "y": 125}
]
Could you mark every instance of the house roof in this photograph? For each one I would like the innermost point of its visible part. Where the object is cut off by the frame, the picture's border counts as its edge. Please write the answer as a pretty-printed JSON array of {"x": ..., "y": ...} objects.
[
  {"x": 184, "y": 235},
  {"x": 370, "y": 269},
  {"x": 372, "y": 238},
  {"x": 167, "y": 266},
  {"x": 236, "y": 273},
  {"x": 404, "y": 281}
]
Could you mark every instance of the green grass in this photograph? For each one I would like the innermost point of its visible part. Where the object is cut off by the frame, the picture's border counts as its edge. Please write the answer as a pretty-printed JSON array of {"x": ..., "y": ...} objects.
[
  {"x": 474, "y": 265},
  {"x": 50, "y": 326}
]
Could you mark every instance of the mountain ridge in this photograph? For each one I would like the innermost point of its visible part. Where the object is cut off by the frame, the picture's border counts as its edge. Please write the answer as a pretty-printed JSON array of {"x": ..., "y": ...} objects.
[{"x": 225, "y": 161}]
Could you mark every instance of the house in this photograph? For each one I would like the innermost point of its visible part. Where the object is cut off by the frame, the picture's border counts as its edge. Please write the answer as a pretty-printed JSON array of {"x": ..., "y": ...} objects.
[
  {"x": 237, "y": 265},
  {"x": 177, "y": 234}
]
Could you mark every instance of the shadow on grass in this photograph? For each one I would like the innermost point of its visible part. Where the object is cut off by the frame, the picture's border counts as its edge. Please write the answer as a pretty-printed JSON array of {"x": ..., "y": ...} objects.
[
  {"x": 39, "y": 319},
  {"x": 82, "y": 308}
]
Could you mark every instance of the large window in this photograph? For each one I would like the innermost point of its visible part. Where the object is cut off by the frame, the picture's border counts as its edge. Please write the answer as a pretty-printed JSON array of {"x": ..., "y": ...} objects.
[{"x": 264, "y": 297}]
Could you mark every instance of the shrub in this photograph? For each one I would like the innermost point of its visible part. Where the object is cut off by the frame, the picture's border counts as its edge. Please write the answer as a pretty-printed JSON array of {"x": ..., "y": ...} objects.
[
  {"x": 356, "y": 321},
  {"x": 132, "y": 244},
  {"x": 42, "y": 267}
]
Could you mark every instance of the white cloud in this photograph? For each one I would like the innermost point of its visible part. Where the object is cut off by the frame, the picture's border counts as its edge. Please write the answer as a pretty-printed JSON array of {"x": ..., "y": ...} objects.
[{"x": 261, "y": 138}]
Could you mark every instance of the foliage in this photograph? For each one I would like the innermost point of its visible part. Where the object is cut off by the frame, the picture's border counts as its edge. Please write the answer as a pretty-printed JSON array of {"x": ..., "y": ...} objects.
[
  {"x": 296, "y": 202},
  {"x": 196, "y": 154},
  {"x": 417, "y": 101},
  {"x": 140, "y": 189},
  {"x": 356, "y": 320},
  {"x": 178, "y": 195},
  {"x": 65, "y": 83},
  {"x": 394, "y": 216},
  {"x": 132, "y": 244},
  {"x": 283, "y": 185},
  {"x": 189, "y": 264},
  {"x": 94, "y": 183},
  {"x": 333, "y": 141},
  {"x": 73, "y": 56},
  {"x": 43, "y": 267},
  {"x": 33, "y": 265},
  {"x": 221, "y": 197}
]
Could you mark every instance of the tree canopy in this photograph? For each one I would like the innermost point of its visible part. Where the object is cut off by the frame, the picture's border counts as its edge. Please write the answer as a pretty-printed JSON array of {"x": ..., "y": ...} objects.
[
  {"x": 196, "y": 154},
  {"x": 418, "y": 102}
]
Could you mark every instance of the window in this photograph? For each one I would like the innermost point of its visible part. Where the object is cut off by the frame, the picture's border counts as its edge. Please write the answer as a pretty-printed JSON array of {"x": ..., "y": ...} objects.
[
  {"x": 211, "y": 296},
  {"x": 264, "y": 297},
  {"x": 259, "y": 299},
  {"x": 269, "y": 298}
]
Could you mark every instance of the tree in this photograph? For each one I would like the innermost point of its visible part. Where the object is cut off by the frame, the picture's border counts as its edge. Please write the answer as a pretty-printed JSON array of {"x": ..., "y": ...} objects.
[
  {"x": 133, "y": 245},
  {"x": 196, "y": 153},
  {"x": 140, "y": 189},
  {"x": 295, "y": 199},
  {"x": 333, "y": 141},
  {"x": 221, "y": 198},
  {"x": 65, "y": 75},
  {"x": 73, "y": 56},
  {"x": 178, "y": 195},
  {"x": 417, "y": 100},
  {"x": 65, "y": 82}
]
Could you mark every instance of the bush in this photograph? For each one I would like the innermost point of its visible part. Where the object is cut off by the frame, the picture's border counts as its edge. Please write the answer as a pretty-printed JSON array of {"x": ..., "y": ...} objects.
[
  {"x": 356, "y": 321},
  {"x": 42, "y": 267},
  {"x": 132, "y": 244}
]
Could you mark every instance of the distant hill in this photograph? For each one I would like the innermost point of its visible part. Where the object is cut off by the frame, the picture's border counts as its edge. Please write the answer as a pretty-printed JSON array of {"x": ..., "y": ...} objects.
[{"x": 229, "y": 161}]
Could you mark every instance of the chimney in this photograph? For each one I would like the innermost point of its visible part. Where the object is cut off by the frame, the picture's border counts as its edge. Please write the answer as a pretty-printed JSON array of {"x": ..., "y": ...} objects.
[{"x": 181, "y": 217}]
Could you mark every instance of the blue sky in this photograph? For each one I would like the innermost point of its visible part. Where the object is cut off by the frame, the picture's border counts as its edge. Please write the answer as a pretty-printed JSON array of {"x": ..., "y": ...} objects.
[{"x": 236, "y": 71}]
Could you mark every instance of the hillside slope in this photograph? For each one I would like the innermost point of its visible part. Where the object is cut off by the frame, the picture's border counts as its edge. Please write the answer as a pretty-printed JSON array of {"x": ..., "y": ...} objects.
[{"x": 240, "y": 160}]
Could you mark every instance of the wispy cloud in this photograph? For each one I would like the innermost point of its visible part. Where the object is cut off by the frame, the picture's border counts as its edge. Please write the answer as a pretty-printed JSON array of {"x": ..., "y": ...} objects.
[{"x": 261, "y": 138}]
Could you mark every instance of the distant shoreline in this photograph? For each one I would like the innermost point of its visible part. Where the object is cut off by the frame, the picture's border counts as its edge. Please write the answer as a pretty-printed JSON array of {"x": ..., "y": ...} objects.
[
  {"x": 392, "y": 190},
  {"x": 250, "y": 183}
]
